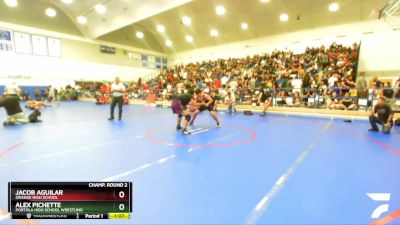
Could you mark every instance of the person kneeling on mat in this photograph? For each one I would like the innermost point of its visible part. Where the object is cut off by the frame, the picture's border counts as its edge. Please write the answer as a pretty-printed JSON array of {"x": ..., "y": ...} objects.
[
  {"x": 14, "y": 111},
  {"x": 385, "y": 116},
  {"x": 180, "y": 105}
]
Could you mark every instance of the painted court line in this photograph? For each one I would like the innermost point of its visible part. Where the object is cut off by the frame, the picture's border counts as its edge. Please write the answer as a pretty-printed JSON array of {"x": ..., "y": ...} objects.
[
  {"x": 199, "y": 132},
  {"x": 51, "y": 155},
  {"x": 387, "y": 219},
  {"x": 11, "y": 148},
  {"x": 262, "y": 206},
  {"x": 140, "y": 168},
  {"x": 15, "y": 146}
]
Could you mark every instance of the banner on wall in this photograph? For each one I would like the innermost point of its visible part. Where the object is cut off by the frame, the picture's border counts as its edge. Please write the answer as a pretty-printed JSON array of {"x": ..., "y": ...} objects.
[
  {"x": 151, "y": 62},
  {"x": 39, "y": 45},
  {"x": 6, "y": 44},
  {"x": 23, "y": 43},
  {"x": 164, "y": 64},
  {"x": 134, "y": 56},
  {"x": 54, "y": 46}
]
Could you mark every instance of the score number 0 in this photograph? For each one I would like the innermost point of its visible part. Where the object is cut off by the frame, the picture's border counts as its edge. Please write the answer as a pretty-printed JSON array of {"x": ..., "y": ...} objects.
[{"x": 121, "y": 206}]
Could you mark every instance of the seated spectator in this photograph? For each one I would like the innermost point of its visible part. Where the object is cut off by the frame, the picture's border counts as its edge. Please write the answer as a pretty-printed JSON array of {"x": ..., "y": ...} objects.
[
  {"x": 25, "y": 96},
  {"x": 126, "y": 99},
  {"x": 297, "y": 99},
  {"x": 387, "y": 90},
  {"x": 101, "y": 98},
  {"x": 333, "y": 101},
  {"x": 347, "y": 102},
  {"x": 36, "y": 94},
  {"x": 281, "y": 98}
]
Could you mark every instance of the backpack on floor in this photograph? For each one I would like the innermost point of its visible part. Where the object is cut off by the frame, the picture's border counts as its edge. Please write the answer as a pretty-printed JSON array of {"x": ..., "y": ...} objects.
[
  {"x": 397, "y": 122},
  {"x": 247, "y": 112}
]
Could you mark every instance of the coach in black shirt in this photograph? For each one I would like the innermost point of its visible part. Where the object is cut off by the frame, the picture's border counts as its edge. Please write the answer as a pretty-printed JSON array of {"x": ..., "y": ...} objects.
[
  {"x": 385, "y": 116},
  {"x": 14, "y": 111}
]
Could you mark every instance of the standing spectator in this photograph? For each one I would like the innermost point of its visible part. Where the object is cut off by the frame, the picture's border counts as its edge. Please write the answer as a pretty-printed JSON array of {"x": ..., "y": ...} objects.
[
  {"x": 224, "y": 80},
  {"x": 376, "y": 82},
  {"x": 297, "y": 84},
  {"x": 397, "y": 88},
  {"x": 230, "y": 101},
  {"x": 233, "y": 85},
  {"x": 52, "y": 94},
  {"x": 362, "y": 86}
]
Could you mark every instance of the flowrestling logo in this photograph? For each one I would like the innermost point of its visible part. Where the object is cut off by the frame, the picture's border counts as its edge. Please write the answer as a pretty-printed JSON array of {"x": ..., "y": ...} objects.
[{"x": 383, "y": 198}]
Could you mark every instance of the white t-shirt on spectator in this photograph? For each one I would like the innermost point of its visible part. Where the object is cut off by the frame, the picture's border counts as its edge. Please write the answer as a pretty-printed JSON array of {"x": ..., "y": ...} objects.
[
  {"x": 12, "y": 89},
  {"x": 297, "y": 83},
  {"x": 233, "y": 84},
  {"x": 222, "y": 92},
  {"x": 117, "y": 87},
  {"x": 224, "y": 80},
  {"x": 332, "y": 80}
]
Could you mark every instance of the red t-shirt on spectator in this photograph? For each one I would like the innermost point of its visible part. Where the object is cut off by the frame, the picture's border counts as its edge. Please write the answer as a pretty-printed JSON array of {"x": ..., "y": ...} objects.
[
  {"x": 103, "y": 88},
  {"x": 145, "y": 87},
  {"x": 217, "y": 84}
]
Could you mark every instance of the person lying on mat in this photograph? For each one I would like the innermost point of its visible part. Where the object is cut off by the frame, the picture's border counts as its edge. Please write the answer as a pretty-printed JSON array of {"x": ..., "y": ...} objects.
[
  {"x": 14, "y": 111},
  {"x": 33, "y": 104},
  {"x": 385, "y": 116}
]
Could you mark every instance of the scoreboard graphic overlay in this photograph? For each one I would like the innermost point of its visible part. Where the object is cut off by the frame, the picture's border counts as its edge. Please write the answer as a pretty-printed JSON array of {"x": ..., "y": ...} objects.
[{"x": 70, "y": 200}]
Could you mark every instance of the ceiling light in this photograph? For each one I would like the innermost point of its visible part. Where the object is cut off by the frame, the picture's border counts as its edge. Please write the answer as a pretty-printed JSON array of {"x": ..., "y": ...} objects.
[
  {"x": 220, "y": 10},
  {"x": 100, "y": 9},
  {"x": 189, "y": 38},
  {"x": 186, "y": 20},
  {"x": 214, "y": 32},
  {"x": 67, "y": 1},
  {"x": 11, "y": 3},
  {"x": 264, "y": 1},
  {"x": 160, "y": 28},
  {"x": 245, "y": 26},
  {"x": 139, "y": 34},
  {"x": 51, "y": 12},
  {"x": 333, "y": 7},
  {"x": 81, "y": 19},
  {"x": 168, "y": 43},
  {"x": 284, "y": 17}
]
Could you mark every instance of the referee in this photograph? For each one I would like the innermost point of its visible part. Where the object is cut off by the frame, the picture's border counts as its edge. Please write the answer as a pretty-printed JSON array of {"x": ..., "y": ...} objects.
[{"x": 117, "y": 89}]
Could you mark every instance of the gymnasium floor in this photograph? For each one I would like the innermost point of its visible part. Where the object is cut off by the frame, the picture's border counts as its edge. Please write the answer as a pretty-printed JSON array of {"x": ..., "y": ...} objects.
[{"x": 276, "y": 169}]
